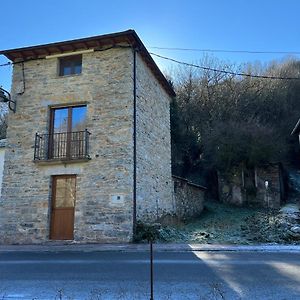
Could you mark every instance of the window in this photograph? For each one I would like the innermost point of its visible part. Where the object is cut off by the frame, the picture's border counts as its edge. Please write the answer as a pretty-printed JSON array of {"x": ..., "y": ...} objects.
[
  {"x": 68, "y": 135},
  {"x": 70, "y": 65},
  {"x": 68, "y": 119}
]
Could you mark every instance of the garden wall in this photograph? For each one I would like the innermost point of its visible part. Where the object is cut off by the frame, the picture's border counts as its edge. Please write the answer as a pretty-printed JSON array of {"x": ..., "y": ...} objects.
[
  {"x": 188, "y": 198},
  {"x": 261, "y": 186}
]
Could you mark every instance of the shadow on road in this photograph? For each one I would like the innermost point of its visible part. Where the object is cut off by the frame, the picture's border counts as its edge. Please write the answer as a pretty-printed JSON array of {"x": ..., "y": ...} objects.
[
  {"x": 253, "y": 275},
  {"x": 126, "y": 275}
]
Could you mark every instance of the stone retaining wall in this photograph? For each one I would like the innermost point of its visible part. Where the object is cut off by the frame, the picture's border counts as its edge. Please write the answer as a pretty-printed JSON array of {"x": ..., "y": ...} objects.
[
  {"x": 248, "y": 187},
  {"x": 189, "y": 198}
]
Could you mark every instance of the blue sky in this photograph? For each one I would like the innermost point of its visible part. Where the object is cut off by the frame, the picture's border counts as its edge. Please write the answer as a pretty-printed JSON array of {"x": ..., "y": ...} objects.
[{"x": 263, "y": 25}]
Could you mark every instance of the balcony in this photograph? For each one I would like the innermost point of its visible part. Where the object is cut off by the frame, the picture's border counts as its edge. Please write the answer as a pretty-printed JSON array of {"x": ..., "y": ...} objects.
[{"x": 62, "y": 147}]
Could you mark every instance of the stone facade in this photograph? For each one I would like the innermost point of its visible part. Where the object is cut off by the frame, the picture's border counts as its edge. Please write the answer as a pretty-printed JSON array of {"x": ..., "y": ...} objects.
[
  {"x": 188, "y": 197},
  {"x": 248, "y": 187},
  {"x": 154, "y": 182},
  {"x": 105, "y": 86}
]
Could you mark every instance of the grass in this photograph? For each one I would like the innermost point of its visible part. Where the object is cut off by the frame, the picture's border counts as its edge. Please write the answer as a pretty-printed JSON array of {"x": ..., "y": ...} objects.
[{"x": 221, "y": 223}]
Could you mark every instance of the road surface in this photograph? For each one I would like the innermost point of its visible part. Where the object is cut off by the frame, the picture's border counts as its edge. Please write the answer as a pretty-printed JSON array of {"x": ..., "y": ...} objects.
[{"x": 125, "y": 275}]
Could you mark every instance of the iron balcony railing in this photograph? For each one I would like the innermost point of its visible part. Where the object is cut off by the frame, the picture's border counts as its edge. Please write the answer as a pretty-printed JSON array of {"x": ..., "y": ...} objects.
[{"x": 62, "y": 146}]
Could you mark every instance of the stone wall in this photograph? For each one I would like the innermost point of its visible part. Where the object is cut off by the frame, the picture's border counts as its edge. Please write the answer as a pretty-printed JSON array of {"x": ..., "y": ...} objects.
[
  {"x": 230, "y": 187},
  {"x": 273, "y": 195},
  {"x": 188, "y": 197},
  {"x": 154, "y": 181},
  {"x": 248, "y": 187},
  {"x": 106, "y": 86}
]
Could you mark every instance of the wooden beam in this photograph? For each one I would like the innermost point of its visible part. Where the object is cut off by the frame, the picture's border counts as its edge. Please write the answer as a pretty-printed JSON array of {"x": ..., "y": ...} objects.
[
  {"x": 85, "y": 45},
  {"x": 72, "y": 47},
  {"x": 131, "y": 41},
  {"x": 60, "y": 49},
  {"x": 22, "y": 55},
  {"x": 47, "y": 52},
  {"x": 35, "y": 54}
]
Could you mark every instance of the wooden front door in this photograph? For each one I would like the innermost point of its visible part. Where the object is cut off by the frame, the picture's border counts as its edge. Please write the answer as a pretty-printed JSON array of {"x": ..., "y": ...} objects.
[{"x": 63, "y": 204}]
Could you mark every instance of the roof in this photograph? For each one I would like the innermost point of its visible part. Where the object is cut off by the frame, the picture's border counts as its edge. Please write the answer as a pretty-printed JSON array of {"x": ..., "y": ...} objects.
[
  {"x": 129, "y": 37},
  {"x": 296, "y": 128}
]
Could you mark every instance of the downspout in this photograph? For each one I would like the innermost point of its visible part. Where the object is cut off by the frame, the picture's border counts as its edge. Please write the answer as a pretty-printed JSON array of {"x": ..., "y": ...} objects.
[{"x": 134, "y": 141}]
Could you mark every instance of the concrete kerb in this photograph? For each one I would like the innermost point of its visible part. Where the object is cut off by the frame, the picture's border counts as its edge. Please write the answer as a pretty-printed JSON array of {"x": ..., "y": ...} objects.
[{"x": 145, "y": 247}]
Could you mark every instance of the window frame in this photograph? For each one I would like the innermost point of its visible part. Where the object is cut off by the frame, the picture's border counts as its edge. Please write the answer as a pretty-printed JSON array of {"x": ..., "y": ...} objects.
[
  {"x": 70, "y": 115},
  {"x": 72, "y": 60},
  {"x": 69, "y": 127}
]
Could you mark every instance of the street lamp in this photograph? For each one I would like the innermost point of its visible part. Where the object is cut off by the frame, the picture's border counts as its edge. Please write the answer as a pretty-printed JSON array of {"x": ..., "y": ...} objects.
[{"x": 5, "y": 97}]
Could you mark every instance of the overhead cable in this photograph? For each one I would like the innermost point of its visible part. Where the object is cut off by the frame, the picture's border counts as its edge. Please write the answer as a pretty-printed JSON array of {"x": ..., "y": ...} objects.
[
  {"x": 224, "y": 71},
  {"x": 6, "y": 64},
  {"x": 225, "y": 51}
]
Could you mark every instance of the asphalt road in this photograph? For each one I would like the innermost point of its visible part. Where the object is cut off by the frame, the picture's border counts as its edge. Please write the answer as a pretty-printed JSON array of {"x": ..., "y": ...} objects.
[{"x": 125, "y": 275}]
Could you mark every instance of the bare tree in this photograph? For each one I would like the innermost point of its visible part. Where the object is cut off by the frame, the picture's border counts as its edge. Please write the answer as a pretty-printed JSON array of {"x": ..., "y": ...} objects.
[{"x": 226, "y": 120}]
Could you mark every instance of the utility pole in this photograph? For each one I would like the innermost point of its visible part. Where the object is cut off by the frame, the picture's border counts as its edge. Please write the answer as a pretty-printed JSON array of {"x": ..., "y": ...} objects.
[
  {"x": 151, "y": 270},
  {"x": 151, "y": 236}
]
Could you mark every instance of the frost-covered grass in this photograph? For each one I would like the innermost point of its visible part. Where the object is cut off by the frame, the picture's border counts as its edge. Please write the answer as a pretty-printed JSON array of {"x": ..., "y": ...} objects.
[{"x": 225, "y": 224}]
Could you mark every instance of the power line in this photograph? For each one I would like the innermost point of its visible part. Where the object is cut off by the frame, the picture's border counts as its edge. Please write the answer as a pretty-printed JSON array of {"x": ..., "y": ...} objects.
[
  {"x": 204, "y": 68},
  {"x": 224, "y": 71},
  {"x": 6, "y": 64},
  {"x": 226, "y": 51}
]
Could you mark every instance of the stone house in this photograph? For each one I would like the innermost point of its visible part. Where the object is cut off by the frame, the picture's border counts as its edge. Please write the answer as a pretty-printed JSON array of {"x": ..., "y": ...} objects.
[
  {"x": 88, "y": 148},
  {"x": 262, "y": 186}
]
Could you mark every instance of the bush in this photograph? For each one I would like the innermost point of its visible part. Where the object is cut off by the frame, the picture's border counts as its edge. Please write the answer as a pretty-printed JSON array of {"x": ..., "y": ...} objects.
[{"x": 146, "y": 232}]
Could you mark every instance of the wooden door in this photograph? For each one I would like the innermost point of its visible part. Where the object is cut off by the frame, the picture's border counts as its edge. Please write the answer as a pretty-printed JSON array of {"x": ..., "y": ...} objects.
[{"x": 63, "y": 204}]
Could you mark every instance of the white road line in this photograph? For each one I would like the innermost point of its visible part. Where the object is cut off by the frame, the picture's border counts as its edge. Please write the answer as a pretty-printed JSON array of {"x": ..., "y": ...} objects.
[{"x": 161, "y": 261}]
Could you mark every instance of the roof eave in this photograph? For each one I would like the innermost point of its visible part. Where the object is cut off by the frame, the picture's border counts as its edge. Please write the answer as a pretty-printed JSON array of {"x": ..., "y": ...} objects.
[
  {"x": 8, "y": 52},
  {"x": 128, "y": 36}
]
